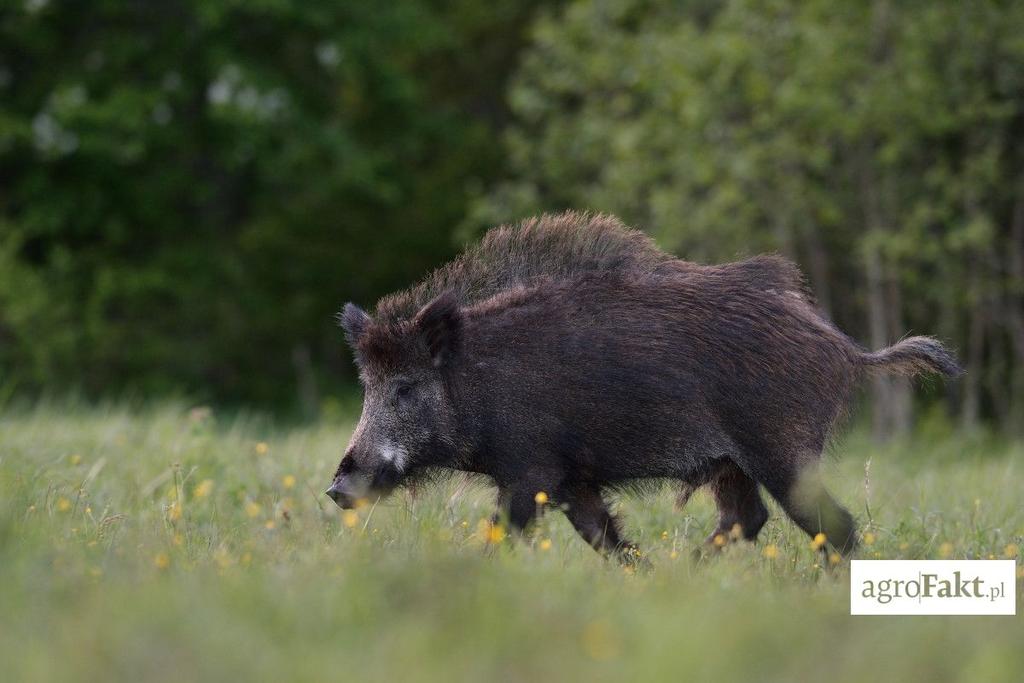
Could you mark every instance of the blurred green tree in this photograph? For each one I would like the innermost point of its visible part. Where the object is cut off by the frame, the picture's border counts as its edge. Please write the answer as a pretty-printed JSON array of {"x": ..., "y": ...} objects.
[{"x": 192, "y": 188}]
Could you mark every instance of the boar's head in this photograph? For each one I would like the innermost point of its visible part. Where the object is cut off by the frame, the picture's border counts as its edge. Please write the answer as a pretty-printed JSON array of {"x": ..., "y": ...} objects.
[{"x": 407, "y": 420}]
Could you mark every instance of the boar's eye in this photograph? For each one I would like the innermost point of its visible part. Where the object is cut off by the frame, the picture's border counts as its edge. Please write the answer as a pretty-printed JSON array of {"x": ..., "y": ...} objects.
[{"x": 404, "y": 391}]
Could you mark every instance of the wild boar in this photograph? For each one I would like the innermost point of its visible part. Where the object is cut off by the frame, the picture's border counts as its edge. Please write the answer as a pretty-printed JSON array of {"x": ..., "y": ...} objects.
[{"x": 571, "y": 356}]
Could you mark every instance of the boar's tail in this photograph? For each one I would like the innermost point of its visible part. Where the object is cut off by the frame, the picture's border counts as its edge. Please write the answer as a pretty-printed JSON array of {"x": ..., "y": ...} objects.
[{"x": 912, "y": 356}]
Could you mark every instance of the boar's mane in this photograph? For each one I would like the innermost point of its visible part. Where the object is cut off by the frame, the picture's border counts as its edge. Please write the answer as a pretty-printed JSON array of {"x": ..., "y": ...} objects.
[{"x": 565, "y": 245}]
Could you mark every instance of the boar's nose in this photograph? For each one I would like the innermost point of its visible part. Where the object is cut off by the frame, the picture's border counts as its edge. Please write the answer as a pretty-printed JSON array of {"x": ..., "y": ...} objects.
[{"x": 338, "y": 496}]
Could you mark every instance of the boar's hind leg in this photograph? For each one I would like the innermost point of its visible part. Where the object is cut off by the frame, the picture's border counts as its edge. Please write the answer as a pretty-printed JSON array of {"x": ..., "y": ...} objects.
[
  {"x": 517, "y": 506},
  {"x": 809, "y": 504},
  {"x": 741, "y": 513},
  {"x": 590, "y": 517}
]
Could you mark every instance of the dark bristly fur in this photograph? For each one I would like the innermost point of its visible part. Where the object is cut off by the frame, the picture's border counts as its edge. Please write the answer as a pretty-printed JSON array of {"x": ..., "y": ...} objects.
[
  {"x": 572, "y": 356},
  {"x": 565, "y": 245}
]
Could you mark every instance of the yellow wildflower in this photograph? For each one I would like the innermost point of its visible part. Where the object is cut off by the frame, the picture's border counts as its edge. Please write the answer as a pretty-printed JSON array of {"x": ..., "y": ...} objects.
[
  {"x": 252, "y": 509},
  {"x": 869, "y": 538},
  {"x": 63, "y": 505},
  {"x": 545, "y": 544},
  {"x": 350, "y": 518},
  {"x": 946, "y": 549},
  {"x": 834, "y": 558},
  {"x": 496, "y": 534},
  {"x": 541, "y": 498},
  {"x": 174, "y": 512},
  {"x": 178, "y": 539},
  {"x": 203, "y": 488},
  {"x": 269, "y": 524},
  {"x": 674, "y": 554},
  {"x": 75, "y": 459},
  {"x": 771, "y": 551},
  {"x": 719, "y": 540},
  {"x": 161, "y": 561},
  {"x": 819, "y": 541},
  {"x": 288, "y": 481},
  {"x": 1011, "y": 550},
  {"x": 262, "y": 448}
]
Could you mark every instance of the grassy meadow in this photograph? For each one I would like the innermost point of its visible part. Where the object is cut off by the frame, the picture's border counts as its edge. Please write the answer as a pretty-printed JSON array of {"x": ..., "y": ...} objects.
[{"x": 174, "y": 544}]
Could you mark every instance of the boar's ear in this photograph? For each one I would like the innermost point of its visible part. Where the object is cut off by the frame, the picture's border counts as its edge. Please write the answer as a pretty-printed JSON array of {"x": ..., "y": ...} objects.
[
  {"x": 440, "y": 323},
  {"x": 354, "y": 321}
]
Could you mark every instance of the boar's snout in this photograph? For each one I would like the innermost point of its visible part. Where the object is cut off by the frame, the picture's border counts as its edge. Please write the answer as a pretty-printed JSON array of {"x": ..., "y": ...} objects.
[
  {"x": 341, "y": 494},
  {"x": 363, "y": 474},
  {"x": 345, "y": 489}
]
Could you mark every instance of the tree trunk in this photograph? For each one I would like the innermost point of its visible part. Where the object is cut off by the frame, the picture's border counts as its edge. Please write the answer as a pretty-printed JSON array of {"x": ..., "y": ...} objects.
[
  {"x": 971, "y": 405},
  {"x": 890, "y": 396},
  {"x": 883, "y": 397},
  {"x": 1014, "y": 309},
  {"x": 902, "y": 394}
]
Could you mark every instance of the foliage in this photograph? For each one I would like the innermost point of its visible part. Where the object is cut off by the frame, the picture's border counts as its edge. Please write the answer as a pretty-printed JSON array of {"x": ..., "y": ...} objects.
[
  {"x": 192, "y": 189},
  {"x": 181, "y": 545}
]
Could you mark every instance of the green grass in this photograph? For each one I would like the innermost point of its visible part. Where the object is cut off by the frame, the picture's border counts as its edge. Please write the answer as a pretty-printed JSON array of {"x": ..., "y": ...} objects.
[{"x": 112, "y": 567}]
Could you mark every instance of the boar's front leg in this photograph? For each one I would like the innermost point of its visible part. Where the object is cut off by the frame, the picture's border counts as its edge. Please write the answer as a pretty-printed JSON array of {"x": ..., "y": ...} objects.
[
  {"x": 587, "y": 512},
  {"x": 741, "y": 512}
]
